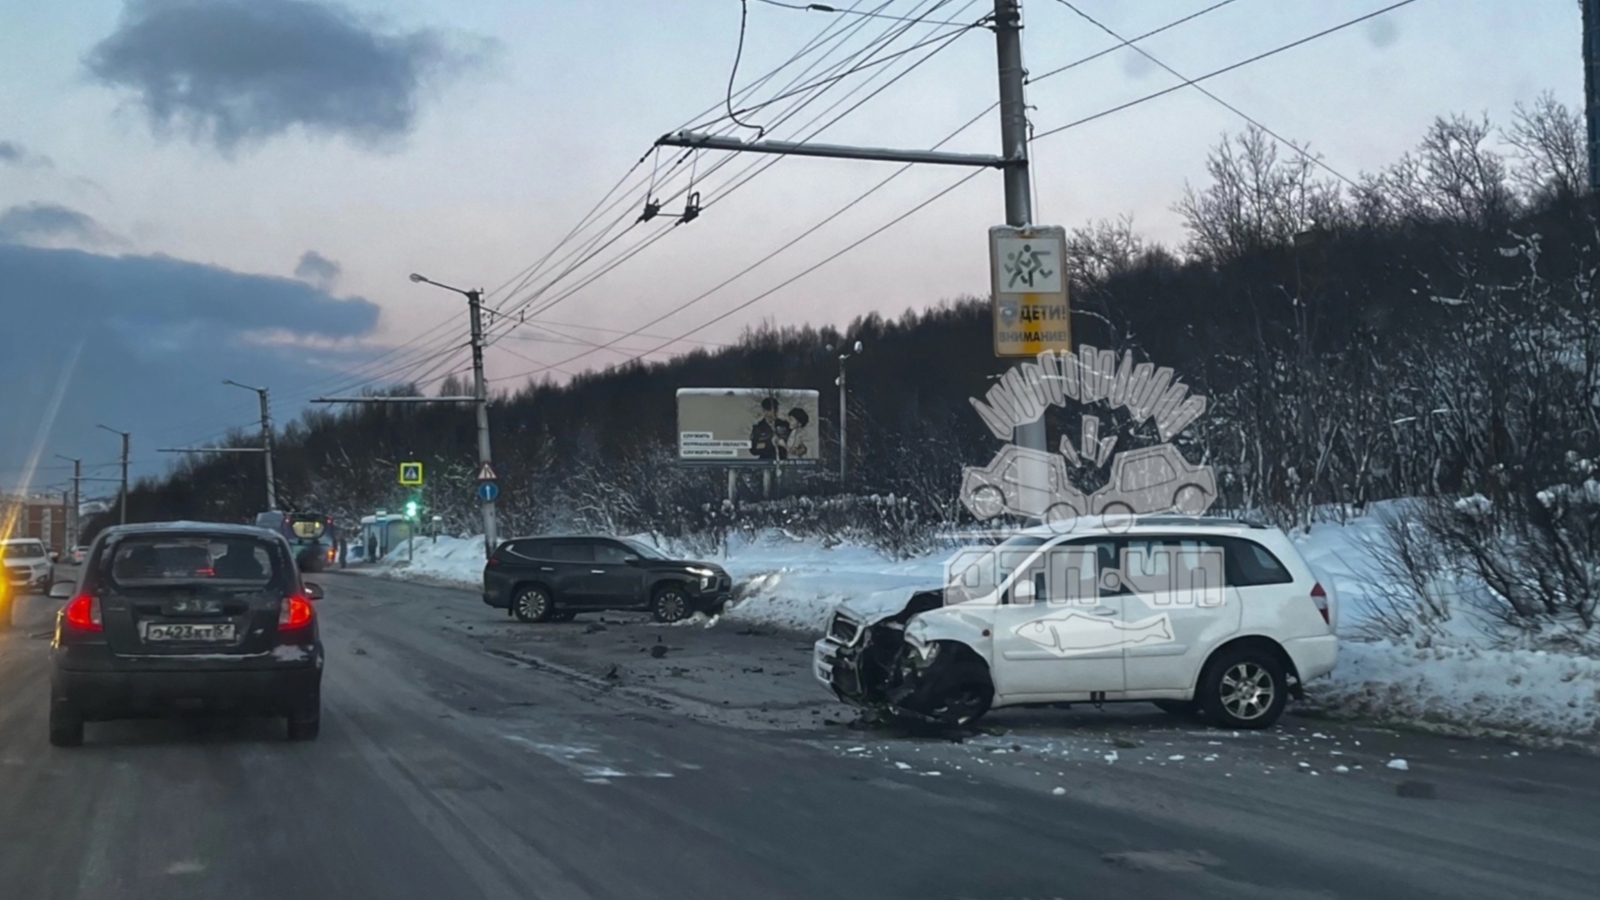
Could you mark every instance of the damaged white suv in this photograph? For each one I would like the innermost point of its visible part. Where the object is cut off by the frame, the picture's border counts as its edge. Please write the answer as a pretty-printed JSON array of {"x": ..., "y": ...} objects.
[{"x": 1198, "y": 615}]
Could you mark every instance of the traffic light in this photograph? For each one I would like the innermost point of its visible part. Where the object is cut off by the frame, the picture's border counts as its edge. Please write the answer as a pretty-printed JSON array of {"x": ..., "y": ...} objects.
[{"x": 411, "y": 510}]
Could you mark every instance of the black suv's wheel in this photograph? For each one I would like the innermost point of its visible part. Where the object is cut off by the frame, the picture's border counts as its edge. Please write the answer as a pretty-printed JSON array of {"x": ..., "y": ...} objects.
[
  {"x": 1244, "y": 688},
  {"x": 670, "y": 604},
  {"x": 66, "y": 724},
  {"x": 533, "y": 604},
  {"x": 305, "y": 721}
]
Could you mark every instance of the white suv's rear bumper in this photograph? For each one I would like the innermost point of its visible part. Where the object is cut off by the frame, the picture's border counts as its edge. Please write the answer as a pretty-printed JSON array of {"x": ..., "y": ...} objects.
[{"x": 1313, "y": 657}]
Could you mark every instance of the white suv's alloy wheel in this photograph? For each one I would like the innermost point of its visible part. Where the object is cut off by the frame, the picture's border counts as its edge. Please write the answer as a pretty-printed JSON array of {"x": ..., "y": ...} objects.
[{"x": 1247, "y": 691}]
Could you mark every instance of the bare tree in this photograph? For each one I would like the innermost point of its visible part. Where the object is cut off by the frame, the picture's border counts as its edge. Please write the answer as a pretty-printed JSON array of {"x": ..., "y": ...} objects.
[
  {"x": 1256, "y": 200},
  {"x": 1550, "y": 141}
]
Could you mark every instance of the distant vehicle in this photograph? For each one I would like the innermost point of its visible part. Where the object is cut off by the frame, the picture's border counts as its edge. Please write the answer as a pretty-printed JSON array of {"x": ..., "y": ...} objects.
[
  {"x": 177, "y": 615},
  {"x": 77, "y": 555},
  {"x": 1154, "y": 480},
  {"x": 313, "y": 536},
  {"x": 540, "y": 579},
  {"x": 1003, "y": 487},
  {"x": 27, "y": 563}
]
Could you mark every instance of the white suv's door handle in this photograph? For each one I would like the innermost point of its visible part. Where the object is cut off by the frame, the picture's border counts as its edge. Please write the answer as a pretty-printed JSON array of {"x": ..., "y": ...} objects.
[{"x": 1102, "y": 611}]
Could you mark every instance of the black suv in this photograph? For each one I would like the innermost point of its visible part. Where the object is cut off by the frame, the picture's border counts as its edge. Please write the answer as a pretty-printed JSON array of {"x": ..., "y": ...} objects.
[
  {"x": 186, "y": 615},
  {"x": 545, "y": 578}
]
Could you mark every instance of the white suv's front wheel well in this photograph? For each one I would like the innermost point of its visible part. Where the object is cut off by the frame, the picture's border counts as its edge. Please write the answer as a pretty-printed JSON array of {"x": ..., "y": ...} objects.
[{"x": 1253, "y": 642}]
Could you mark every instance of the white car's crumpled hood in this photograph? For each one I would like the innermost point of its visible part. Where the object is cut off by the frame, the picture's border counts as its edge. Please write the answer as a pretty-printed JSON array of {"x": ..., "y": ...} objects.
[{"x": 872, "y": 608}]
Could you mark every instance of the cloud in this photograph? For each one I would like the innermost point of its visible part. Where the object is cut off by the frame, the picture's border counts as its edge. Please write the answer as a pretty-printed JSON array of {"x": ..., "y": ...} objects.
[
  {"x": 232, "y": 72},
  {"x": 159, "y": 335},
  {"x": 50, "y": 224},
  {"x": 314, "y": 268},
  {"x": 13, "y": 153}
]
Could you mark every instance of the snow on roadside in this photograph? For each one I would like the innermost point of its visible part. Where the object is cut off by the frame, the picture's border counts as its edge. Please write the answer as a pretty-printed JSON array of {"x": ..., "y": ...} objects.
[
  {"x": 1466, "y": 689},
  {"x": 793, "y": 584}
]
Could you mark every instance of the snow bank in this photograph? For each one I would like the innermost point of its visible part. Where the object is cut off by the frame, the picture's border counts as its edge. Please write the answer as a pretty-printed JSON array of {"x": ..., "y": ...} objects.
[
  {"x": 450, "y": 560},
  {"x": 1520, "y": 692}
]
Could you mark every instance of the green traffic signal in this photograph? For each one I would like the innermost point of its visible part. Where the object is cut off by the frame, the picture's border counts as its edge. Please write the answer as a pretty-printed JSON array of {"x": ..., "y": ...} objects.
[{"x": 411, "y": 509}]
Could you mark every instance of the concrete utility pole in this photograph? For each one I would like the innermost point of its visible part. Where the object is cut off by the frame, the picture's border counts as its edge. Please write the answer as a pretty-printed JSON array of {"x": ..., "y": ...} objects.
[
  {"x": 480, "y": 393},
  {"x": 1014, "y": 147},
  {"x": 72, "y": 517},
  {"x": 1591, "y": 86},
  {"x": 122, "y": 496},
  {"x": 844, "y": 409},
  {"x": 480, "y": 398},
  {"x": 266, "y": 437}
]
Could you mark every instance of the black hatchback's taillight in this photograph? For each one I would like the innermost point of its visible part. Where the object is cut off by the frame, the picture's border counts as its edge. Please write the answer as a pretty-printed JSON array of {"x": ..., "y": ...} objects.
[{"x": 493, "y": 561}]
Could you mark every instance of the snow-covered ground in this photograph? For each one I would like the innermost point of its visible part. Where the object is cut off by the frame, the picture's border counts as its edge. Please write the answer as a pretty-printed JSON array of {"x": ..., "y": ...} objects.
[{"x": 1462, "y": 685}]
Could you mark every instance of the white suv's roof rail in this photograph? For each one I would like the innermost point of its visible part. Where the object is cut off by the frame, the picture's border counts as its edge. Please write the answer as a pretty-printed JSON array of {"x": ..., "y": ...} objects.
[{"x": 1169, "y": 519}]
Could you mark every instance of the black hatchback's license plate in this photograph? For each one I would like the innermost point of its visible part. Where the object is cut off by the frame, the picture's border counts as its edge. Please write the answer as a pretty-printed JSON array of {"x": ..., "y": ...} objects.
[{"x": 209, "y": 632}]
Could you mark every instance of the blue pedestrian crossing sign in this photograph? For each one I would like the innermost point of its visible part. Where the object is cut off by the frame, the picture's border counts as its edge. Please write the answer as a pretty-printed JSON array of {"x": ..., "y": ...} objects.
[
  {"x": 488, "y": 490},
  {"x": 411, "y": 474}
]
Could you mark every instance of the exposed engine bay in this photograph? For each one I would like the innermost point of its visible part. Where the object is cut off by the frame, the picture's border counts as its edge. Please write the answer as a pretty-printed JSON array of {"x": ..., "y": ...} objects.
[{"x": 875, "y": 665}]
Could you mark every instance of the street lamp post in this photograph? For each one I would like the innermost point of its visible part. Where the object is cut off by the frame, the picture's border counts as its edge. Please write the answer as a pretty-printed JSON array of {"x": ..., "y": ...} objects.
[
  {"x": 480, "y": 394},
  {"x": 122, "y": 497},
  {"x": 266, "y": 438},
  {"x": 72, "y": 518},
  {"x": 843, "y": 408}
]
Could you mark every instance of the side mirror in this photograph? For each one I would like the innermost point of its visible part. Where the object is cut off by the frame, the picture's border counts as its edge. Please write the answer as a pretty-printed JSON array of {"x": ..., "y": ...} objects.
[
  {"x": 313, "y": 591},
  {"x": 63, "y": 590}
]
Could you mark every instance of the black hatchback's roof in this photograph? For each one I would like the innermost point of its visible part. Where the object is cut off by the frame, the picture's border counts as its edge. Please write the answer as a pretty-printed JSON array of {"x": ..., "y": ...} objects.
[{"x": 186, "y": 527}]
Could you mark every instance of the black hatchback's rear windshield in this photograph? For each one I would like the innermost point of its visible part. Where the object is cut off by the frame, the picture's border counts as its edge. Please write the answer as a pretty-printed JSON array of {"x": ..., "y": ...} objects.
[{"x": 223, "y": 560}]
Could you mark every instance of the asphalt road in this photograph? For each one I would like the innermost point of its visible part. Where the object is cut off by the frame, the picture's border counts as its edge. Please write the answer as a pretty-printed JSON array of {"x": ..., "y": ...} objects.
[{"x": 463, "y": 756}]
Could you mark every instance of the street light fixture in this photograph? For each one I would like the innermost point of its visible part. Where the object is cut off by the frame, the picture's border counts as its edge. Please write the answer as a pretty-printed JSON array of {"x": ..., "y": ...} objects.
[
  {"x": 266, "y": 438},
  {"x": 122, "y": 496}
]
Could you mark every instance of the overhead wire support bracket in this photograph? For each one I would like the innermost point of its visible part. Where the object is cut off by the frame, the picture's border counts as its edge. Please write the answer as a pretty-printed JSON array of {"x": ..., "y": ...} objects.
[{"x": 703, "y": 141}]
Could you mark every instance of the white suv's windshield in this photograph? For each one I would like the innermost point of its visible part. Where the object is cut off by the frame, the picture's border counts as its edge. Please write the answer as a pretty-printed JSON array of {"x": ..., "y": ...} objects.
[{"x": 21, "y": 550}]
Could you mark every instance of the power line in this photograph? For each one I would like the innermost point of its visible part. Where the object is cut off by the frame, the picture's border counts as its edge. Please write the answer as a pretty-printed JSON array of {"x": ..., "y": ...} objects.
[
  {"x": 821, "y": 7},
  {"x": 1188, "y": 82},
  {"x": 1229, "y": 106},
  {"x": 744, "y": 15},
  {"x": 1109, "y": 50},
  {"x": 755, "y": 169}
]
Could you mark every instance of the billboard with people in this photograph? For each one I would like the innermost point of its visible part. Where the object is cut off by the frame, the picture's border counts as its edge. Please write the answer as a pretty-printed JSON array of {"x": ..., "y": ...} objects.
[{"x": 747, "y": 426}]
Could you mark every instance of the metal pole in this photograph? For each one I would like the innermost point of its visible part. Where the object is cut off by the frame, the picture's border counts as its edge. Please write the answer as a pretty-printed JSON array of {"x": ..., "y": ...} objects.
[
  {"x": 77, "y": 481},
  {"x": 1014, "y": 148},
  {"x": 480, "y": 392},
  {"x": 1591, "y": 86},
  {"x": 122, "y": 499},
  {"x": 844, "y": 416},
  {"x": 124, "y": 503}
]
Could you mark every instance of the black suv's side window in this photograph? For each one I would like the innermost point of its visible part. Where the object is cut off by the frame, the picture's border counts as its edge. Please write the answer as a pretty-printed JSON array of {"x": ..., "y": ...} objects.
[
  {"x": 571, "y": 551},
  {"x": 611, "y": 554},
  {"x": 530, "y": 549},
  {"x": 1252, "y": 565}
]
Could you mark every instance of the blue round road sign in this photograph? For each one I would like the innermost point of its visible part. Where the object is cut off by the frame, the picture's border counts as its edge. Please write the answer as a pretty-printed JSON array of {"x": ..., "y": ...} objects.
[{"x": 488, "y": 490}]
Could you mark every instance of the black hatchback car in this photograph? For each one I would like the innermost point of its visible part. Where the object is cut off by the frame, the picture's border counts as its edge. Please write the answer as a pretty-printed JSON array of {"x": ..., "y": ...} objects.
[
  {"x": 182, "y": 616},
  {"x": 538, "y": 579}
]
